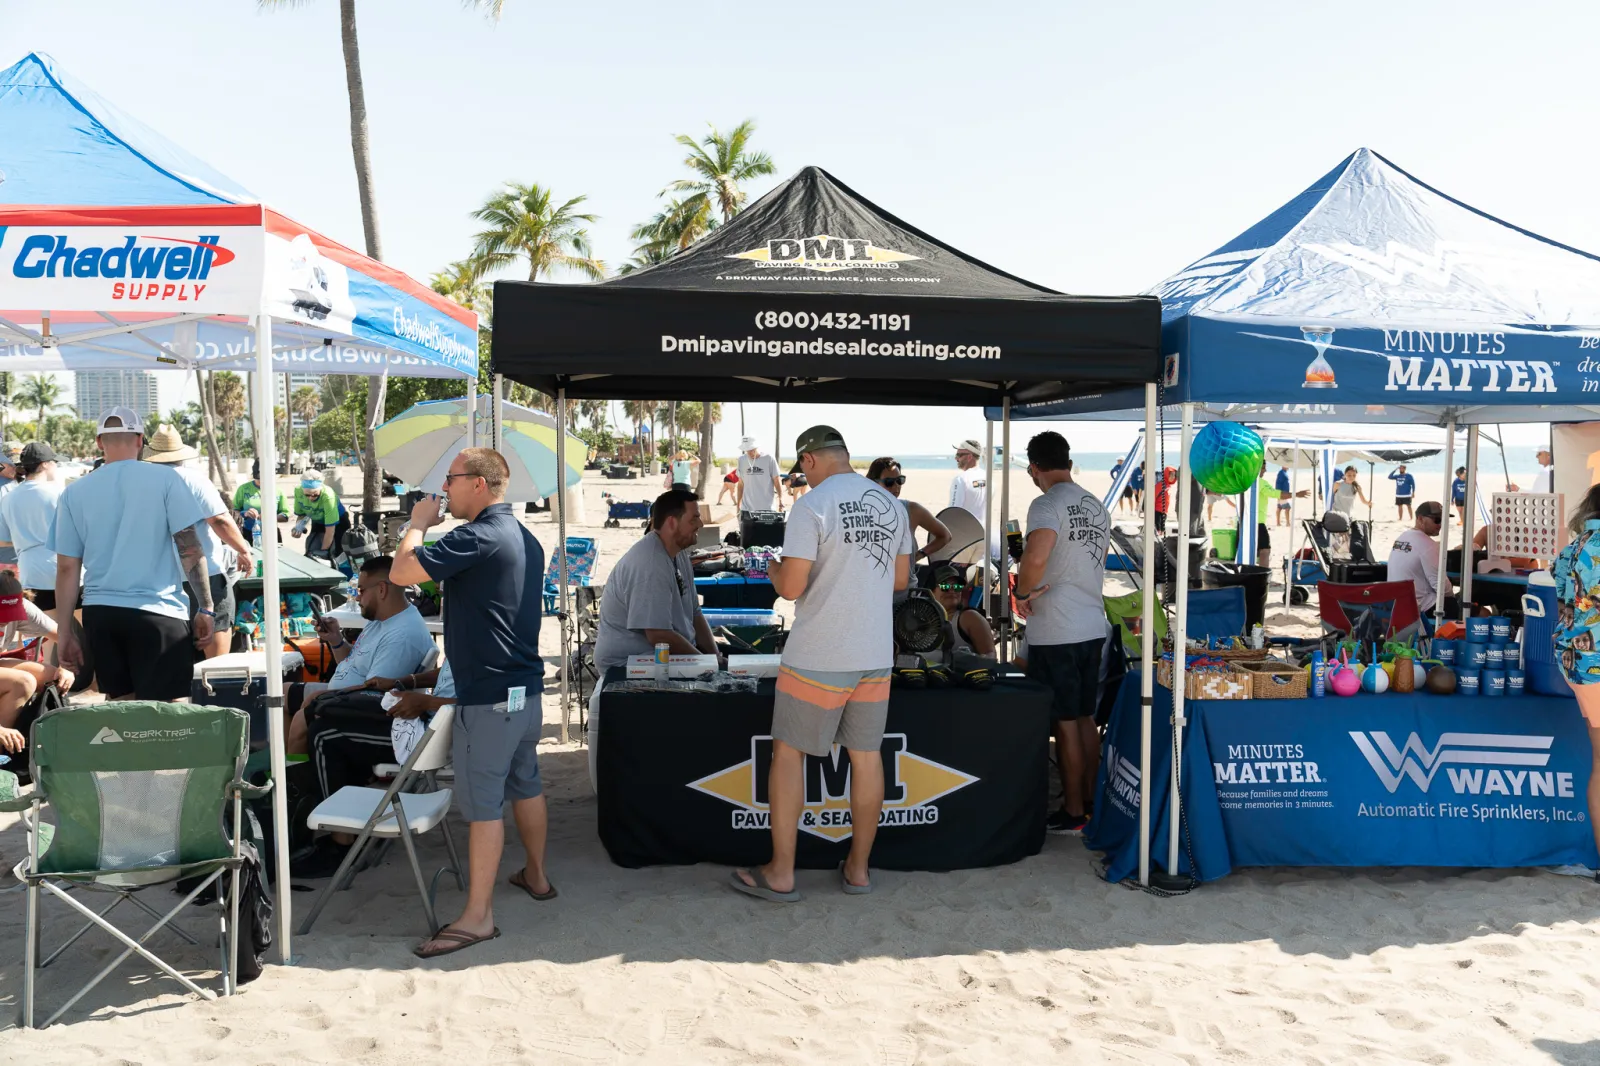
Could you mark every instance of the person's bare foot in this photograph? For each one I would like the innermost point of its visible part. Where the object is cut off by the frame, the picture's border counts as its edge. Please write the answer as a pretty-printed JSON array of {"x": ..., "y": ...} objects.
[
  {"x": 460, "y": 925},
  {"x": 539, "y": 887},
  {"x": 860, "y": 877},
  {"x": 778, "y": 885}
]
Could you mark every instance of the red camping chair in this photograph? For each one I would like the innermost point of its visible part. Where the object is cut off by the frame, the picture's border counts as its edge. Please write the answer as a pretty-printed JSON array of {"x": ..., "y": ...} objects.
[{"x": 1383, "y": 611}]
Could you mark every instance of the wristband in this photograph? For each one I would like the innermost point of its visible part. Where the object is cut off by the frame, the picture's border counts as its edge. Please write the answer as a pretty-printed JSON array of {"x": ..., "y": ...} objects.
[
  {"x": 336, "y": 647},
  {"x": 208, "y": 614}
]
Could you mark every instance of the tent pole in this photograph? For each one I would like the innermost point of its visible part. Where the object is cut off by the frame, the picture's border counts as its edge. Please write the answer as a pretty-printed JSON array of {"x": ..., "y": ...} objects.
[
  {"x": 777, "y": 441},
  {"x": 272, "y": 638},
  {"x": 1147, "y": 637},
  {"x": 1180, "y": 630},
  {"x": 1294, "y": 494},
  {"x": 496, "y": 415},
  {"x": 288, "y": 433},
  {"x": 1372, "y": 490},
  {"x": 561, "y": 556},
  {"x": 472, "y": 412},
  {"x": 1005, "y": 527},
  {"x": 1468, "y": 530},
  {"x": 1444, "y": 530},
  {"x": 988, "y": 517}
]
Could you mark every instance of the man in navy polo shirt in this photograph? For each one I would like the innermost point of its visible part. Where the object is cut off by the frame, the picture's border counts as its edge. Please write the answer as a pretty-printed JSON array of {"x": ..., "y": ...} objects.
[{"x": 492, "y": 570}]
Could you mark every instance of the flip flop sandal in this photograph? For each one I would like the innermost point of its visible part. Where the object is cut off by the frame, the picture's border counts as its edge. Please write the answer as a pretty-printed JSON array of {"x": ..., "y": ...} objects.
[
  {"x": 522, "y": 882},
  {"x": 762, "y": 890},
  {"x": 849, "y": 889},
  {"x": 458, "y": 939}
]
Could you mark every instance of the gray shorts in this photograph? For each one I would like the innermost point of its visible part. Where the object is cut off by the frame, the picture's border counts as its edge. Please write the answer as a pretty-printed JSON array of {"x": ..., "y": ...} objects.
[
  {"x": 816, "y": 709},
  {"x": 496, "y": 758},
  {"x": 223, "y": 602}
]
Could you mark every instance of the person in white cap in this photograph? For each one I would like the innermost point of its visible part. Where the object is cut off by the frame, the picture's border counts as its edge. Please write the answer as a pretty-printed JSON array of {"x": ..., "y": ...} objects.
[
  {"x": 222, "y": 548},
  {"x": 124, "y": 533},
  {"x": 759, "y": 487},
  {"x": 1544, "y": 480},
  {"x": 969, "y": 489}
]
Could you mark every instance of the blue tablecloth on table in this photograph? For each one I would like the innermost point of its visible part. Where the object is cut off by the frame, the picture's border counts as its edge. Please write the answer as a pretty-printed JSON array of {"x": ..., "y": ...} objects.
[{"x": 1390, "y": 780}]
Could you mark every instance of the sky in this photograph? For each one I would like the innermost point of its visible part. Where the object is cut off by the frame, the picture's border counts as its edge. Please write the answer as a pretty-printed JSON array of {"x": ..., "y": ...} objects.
[{"x": 1091, "y": 147}]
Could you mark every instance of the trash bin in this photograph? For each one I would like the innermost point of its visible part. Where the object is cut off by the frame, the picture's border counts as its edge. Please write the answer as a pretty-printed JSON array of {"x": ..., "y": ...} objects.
[
  {"x": 1166, "y": 572},
  {"x": 1218, "y": 574}
]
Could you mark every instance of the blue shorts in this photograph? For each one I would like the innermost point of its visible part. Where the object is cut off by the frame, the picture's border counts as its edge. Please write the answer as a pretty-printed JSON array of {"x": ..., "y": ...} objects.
[{"x": 496, "y": 758}]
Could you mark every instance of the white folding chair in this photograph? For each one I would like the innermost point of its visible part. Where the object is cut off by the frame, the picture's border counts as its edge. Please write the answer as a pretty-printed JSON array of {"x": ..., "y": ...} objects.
[{"x": 393, "y": 812}]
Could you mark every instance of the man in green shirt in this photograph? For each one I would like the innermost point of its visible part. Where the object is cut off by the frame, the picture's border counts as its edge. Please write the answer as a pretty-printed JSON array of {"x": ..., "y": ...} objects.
[
  {"x": 247, "y": 504},
  {"x": 322, "y": 516}
]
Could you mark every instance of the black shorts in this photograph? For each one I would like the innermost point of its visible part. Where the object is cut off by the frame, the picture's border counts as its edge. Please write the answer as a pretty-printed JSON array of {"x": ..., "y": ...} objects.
[
  {"x": 1127, "y": 493},
  {"x": 1072, "y": 673},
  {"x": 1263, "y": 539},
  {"x": 223, "y": 602},
  {"x": 1402, "y": 501},
  {"x": 139, "y": 654},
  {"x": 44, "y": 599}
]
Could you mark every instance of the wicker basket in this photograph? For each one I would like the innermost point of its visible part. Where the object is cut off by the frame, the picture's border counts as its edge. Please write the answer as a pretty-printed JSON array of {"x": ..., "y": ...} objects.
[
  {"x": 1273, "y": 680},
  {"x": 1206, "y": 684},
  {"x": 1229, "y": 655}
]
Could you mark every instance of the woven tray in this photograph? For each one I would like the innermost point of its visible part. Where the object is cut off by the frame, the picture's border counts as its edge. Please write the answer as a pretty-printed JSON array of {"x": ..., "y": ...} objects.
[
  {"x": 1230, "y": 655},
  {"x": 1207, "y": 684},
  {"x": 1273, "y": 681}
]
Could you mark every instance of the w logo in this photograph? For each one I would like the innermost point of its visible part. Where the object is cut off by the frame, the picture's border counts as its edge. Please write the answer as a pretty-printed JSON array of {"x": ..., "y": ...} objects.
[{"x": 1413, "y": 760}]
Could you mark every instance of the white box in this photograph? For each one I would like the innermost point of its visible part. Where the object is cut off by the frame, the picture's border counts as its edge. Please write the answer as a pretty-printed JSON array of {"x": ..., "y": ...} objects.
[
  {"x": 754, "y": 665},
  {"x": 692, "y": 666},
  {"x": 645, "y": 667}
]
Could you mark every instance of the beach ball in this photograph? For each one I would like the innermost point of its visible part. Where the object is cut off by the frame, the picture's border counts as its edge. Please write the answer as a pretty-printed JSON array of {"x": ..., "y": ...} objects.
[
  {"x": 1226, "y": 457},
  {"x": 1375, "y": 680}
]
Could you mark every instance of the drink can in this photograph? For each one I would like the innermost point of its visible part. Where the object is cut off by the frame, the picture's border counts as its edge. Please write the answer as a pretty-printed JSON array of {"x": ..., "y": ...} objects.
[
  {"x": 1444, "y": 650},
  {"x": 1467, "y": 682},
  {"x": 1499, "y": 627},
  {"x": 1478, "y": 630},
  {"x": 1473, "y": 656},
  {"x": 1494, "y": 682},
  {"x": 663, "y": 653},
  {"x": 1494, "y": 656},
  {"x": 1516, "y": 682}
]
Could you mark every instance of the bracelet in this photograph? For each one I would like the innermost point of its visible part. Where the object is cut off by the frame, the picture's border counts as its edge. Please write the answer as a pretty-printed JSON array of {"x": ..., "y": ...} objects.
[
  {"x": 335, "y": 647},
  {"x": 208, "y": 614}
]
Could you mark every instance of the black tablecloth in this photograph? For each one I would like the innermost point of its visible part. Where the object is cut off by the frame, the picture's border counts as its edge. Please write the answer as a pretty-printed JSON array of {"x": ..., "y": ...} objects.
[
  {"x": 754, "y": 595},
  {"x": 683, "y": 779}
]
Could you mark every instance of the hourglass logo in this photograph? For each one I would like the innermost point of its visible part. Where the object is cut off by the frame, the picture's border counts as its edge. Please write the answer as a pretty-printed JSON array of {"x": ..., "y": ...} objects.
[{"x": 1319, "y": 374}]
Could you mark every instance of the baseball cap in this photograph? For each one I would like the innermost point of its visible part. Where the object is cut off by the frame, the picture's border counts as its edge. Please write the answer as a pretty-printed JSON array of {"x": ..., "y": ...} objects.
[
  {"x": 970, "y": 446},
  {"x": 119, "y": 420},
  {"x": 746, "y": 443},
  {"x": 37, "y": 452},
  {"x": 1431, "y": 509},
  {"x": 947, "y": 574},
  {"x": 11, "y": 608},
  {"x": 817, "y": 438}
]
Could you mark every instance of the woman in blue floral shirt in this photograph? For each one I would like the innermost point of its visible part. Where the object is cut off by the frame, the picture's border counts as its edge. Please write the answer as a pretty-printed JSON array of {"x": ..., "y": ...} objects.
[{"x": 1577, "y": 575}]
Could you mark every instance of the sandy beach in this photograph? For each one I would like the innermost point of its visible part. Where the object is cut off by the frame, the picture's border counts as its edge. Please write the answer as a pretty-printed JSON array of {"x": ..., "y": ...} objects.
[{"x": 1040, "y": 961}]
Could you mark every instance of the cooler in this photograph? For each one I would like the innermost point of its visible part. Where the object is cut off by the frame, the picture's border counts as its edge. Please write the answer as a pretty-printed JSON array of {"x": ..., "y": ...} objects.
[
  {"x": 761, "y": 529},
  {"x": 1538, "y": 638},
  {"x": 239, "y": 680}
]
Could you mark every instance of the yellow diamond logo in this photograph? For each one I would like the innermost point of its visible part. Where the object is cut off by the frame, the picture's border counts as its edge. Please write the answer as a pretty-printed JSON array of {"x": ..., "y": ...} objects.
[
  {"x": 826, "y": 254},
  {"x": 911, "y": 785}
]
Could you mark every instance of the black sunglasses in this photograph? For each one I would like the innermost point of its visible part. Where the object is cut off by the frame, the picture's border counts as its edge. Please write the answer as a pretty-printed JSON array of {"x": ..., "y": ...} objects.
[{"x": 888, "y": 481}]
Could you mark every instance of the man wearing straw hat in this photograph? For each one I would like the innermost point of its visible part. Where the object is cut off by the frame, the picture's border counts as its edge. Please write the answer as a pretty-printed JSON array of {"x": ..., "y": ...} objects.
[
  {"x": 120, "y": 532},
  {"x": 223, "y": 553}
]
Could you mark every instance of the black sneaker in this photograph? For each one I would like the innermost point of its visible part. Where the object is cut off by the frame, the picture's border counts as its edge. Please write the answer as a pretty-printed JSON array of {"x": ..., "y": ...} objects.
[
  {"x": 1062, "y": 824},
  {"x": 323, "y": 861}
]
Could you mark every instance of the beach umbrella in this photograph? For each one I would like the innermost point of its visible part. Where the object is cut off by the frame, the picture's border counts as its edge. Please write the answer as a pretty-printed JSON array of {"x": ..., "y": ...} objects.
[{"x": 418, "y": 444}]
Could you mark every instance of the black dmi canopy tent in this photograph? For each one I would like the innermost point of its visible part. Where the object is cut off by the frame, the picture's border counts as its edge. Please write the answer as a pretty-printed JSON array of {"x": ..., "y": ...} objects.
[{"x": 814, "y": 294}]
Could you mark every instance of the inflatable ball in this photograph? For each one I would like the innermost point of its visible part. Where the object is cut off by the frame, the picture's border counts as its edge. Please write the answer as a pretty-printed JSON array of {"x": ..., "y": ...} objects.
[{"x": 1226, "y": 457}]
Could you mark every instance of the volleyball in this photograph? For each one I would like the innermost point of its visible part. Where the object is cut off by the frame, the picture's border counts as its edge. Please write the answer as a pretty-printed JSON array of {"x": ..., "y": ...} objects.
[{"x": 1226, "y": 457}]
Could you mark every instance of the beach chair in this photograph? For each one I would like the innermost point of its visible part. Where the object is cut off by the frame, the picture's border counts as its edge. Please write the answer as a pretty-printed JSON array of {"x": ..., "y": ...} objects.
[
  {"x": 582, "y": 553},
  {"x": 1386, "y": 610},
  {"x": 145, "y": 794},
  {"x": 392, "y": 812}
]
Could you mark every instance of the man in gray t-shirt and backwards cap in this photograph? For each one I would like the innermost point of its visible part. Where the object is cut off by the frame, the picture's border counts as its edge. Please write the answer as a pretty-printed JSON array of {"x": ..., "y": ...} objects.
[
  {"x": 1059, "y": 591},
  {"x": 846, "y": 551}
]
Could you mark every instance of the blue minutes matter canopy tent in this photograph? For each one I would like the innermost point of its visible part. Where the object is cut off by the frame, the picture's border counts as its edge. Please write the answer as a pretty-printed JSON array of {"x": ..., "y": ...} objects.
[{"x": 1373, "y": 297}]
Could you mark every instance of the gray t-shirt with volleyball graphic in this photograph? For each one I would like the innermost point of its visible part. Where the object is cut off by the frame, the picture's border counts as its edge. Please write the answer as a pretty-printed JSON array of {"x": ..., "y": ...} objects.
[
  {"x": 1073, "y": 610},
  {"x": 852, "y": 531}
]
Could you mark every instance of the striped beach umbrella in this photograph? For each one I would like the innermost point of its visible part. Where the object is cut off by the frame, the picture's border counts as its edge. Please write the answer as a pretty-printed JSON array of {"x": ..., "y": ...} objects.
[{"x": 418, "y": 444}]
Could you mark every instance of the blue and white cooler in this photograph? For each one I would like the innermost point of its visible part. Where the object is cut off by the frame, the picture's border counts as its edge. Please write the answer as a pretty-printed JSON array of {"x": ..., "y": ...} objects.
[{"x": 1538, "y": 637}]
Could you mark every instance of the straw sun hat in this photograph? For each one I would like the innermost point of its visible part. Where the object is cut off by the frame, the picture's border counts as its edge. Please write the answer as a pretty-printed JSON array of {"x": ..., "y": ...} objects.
[{"x": 167, "y": 447}]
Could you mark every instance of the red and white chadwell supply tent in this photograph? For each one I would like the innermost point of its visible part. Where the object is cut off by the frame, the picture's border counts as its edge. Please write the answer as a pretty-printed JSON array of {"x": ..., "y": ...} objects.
[{"x": 119, "y": 250}]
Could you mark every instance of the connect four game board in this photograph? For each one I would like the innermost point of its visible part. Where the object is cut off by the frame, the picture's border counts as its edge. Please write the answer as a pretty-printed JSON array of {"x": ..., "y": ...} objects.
[{"x": 1526, "y": 525}]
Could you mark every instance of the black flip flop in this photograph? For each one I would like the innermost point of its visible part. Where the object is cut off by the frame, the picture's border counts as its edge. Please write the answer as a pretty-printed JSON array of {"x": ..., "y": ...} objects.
[
  {"x": 460, "y": 940},
  {"x": 522, "y": 882}
]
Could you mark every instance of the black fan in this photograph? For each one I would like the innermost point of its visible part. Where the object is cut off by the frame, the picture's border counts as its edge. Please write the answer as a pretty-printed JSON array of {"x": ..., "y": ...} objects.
[{"x": 919, "y": 623}]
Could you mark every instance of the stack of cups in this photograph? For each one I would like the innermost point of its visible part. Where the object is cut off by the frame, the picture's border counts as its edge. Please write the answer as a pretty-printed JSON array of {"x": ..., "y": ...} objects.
[{"x": 1474, "y": 671}]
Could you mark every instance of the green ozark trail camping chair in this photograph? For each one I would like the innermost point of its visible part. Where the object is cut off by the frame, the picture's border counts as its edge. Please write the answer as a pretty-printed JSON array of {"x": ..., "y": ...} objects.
[{"x": 139, "y": 792}]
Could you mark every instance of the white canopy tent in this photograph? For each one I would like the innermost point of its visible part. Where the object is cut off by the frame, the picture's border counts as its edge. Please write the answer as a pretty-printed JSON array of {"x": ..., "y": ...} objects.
[{"x": 153, "y": 260}]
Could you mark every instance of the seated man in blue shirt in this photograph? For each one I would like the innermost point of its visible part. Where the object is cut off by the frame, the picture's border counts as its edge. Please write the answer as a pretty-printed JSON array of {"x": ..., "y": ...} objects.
[
  {"x": 394, "y": 643},
  {"x": 492, "y": 571}
]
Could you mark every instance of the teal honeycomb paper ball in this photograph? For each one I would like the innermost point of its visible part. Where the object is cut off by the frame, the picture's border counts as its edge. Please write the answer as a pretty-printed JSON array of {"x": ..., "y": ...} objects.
[{"x": 1226, "y": 457}]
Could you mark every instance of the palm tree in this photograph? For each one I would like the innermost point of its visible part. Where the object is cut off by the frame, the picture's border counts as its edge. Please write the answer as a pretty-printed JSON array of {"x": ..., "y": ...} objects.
[
  {"x": 364, "y": 189},
  {"x": 720, "y": 165},
  {"x": 675, "y": 227},
  {"x": 306, "y": 404},
  {"x": 43, "y": 395},
  {"x": 228, "y": 394},
  {"x": 459, "y": 282},
  {"x": 525, "y": 222}
]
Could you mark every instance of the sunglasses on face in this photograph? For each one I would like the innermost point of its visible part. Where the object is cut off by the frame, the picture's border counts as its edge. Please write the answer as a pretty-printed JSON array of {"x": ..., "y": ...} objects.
[
  {"x": 951, "y": 588},
  {"x": 890, "y": 482}
]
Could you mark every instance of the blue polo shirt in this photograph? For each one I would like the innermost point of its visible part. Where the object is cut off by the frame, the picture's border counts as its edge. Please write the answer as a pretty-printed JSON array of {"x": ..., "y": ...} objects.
[
  {"x": 1282, "y": 484},
  {"x": 492, "y": 570},
  {"x": 1405, "y": 486}
]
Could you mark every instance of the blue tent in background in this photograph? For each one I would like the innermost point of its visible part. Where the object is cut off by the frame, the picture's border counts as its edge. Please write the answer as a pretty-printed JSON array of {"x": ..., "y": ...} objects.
[{"x": 1373, "y": 297}]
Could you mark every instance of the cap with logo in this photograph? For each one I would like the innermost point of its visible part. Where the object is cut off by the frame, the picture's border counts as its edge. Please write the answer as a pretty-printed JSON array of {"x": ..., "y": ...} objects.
[
  {"x": 817, "y": 438},
  {"x": 11, "y": 608},
  {"x": 119, "y": 420},
  {"x": 970, "y": 446}
]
